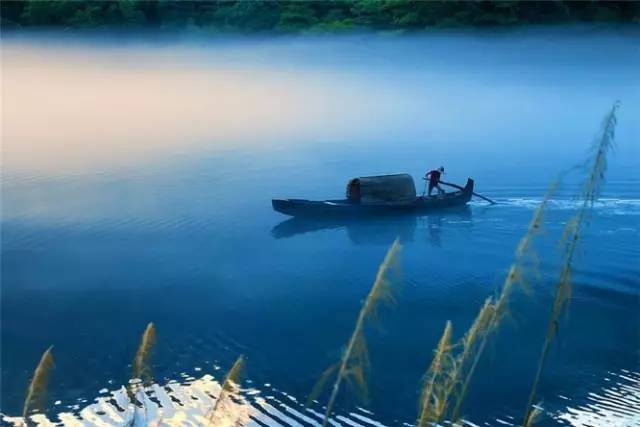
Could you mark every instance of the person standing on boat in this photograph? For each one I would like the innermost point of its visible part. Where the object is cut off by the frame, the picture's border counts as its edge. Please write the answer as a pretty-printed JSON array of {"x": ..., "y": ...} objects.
[{"x": 434, "y": 180}]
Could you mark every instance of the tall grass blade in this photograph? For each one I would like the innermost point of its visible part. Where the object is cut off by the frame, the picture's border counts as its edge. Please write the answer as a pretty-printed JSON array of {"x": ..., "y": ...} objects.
[
  {"x": 38, "y": 386},
  {"x": 230, "y": 385},
  {"x": 597, "y": 166},
  {"x": 355, "y": 358}
]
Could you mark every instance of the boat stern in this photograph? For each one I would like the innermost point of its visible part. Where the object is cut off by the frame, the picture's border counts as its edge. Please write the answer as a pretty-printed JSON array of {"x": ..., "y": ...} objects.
[{"x": 468, "y": 189}]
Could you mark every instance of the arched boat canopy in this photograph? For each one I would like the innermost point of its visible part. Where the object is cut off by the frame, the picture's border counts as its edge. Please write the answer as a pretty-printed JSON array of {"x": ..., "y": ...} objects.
[{"x": 382, "y": 188}]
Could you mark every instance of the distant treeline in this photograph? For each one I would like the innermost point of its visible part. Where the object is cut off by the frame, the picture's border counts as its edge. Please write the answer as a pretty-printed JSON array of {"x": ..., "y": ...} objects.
[{"x": 250, "y": 16}]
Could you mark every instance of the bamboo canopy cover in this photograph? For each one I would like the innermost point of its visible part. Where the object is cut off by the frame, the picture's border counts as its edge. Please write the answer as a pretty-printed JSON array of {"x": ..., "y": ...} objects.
[{"x": 382, "y": 188}]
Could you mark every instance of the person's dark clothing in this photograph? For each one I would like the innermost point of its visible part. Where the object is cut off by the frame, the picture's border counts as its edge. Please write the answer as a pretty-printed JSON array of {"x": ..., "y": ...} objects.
[{"x": 434, "y": 179}]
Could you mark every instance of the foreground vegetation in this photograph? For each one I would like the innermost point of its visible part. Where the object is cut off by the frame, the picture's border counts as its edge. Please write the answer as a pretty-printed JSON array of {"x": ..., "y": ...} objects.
[
  {"x": 454, "y": 364},
  {"x": 286, "y": 16},
  {"x": 448, "y": 377}
]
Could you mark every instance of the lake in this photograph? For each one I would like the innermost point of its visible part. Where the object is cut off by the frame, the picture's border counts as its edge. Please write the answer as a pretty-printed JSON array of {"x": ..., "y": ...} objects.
[{"x": 137, "y": 180}]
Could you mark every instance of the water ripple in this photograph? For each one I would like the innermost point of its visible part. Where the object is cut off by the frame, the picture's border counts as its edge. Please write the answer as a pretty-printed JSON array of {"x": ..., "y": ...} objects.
[
  {"x": 192, "y": 403},
  {"x": 616, "y": 405}
]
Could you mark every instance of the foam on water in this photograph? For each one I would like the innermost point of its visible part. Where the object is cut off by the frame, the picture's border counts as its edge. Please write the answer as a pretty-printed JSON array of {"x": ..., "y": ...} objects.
[{"x": 611, "y": 206}]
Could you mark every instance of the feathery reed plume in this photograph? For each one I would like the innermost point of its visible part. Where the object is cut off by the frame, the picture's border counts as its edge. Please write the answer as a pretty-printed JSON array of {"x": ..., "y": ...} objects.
[
  {"x": 447, "y": 369},
  {"x": 230, "y": 385},
  {"x": 355, "y": 358},
  {"x": 477, "y": 330},
  {"x": 432, "y": 401},
  {"x": 495, "y": 309},
  {"x": 470, "y": 343},
  {"x": 38, "y": 386},
  {"x": 597, "y": 166}
]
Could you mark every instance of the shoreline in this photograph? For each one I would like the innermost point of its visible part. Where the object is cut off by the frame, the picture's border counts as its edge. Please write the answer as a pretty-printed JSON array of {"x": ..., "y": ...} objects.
[
  {"x": 289, "y": 17},
  {"x": 108, "y": 35}
]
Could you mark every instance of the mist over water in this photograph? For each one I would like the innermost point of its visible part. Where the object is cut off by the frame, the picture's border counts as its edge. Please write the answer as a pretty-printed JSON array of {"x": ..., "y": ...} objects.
[{"x": 136, "y": 184}]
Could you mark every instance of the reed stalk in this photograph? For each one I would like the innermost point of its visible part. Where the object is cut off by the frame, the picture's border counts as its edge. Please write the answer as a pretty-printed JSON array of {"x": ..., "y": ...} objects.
[
  {"x": 355, "y": 359},
  {"x": 141, "y": 368},
  {"x": 597, "y": 167},
  {"x": 229, "y": 385},
  {"x": 533, "y": 418},
  {"x": 38, "y": 385},
  {"x": 469, "y": 342}
]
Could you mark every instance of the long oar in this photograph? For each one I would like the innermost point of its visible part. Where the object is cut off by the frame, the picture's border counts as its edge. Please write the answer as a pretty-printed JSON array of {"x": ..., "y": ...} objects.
[{"x": 474, "y": 193}]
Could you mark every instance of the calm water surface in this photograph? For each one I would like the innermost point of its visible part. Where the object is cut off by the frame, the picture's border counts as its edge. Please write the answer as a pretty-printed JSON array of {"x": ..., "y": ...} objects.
[{"x": 136, "y": 185}]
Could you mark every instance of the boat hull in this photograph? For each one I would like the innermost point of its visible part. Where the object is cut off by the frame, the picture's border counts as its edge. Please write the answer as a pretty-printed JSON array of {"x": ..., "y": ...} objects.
[{"x": 345, "y": 207}]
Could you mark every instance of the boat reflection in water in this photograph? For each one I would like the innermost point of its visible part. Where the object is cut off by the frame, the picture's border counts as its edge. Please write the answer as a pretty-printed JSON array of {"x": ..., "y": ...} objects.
[{"x": 381, "y": 230}]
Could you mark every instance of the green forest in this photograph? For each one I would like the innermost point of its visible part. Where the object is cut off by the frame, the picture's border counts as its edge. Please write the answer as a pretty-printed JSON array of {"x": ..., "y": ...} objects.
[{"x": 286, "y": 16}]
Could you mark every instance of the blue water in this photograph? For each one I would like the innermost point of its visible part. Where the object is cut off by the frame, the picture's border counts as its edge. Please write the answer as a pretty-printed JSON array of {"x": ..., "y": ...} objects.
[{"x": 136, "y": 187}]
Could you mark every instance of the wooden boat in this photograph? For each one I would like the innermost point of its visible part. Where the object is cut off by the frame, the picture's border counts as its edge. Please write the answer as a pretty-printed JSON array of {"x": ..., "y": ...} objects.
[{"x": 376, "y": 195}]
